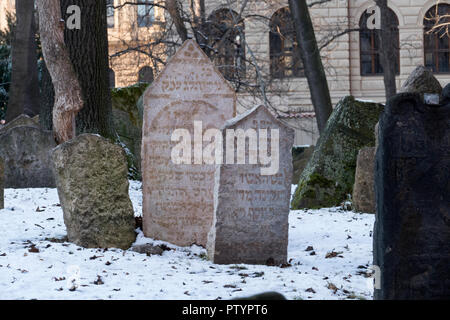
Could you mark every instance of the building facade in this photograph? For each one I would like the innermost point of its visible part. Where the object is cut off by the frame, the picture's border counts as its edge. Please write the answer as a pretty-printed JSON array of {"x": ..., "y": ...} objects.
[{"x": 349, "y": 49}]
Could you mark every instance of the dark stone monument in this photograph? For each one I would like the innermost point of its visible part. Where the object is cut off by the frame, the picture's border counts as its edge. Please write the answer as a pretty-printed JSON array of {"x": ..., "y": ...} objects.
[{"x": 412, "y": 228}]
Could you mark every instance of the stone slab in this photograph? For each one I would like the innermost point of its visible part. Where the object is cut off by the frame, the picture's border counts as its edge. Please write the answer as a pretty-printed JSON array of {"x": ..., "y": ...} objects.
[
  {"x": 91, "y": 176},
  {"x": 412, "y": 227},
  {"x": 251, "y": 212},
  {"x": 178, "y": 199}
]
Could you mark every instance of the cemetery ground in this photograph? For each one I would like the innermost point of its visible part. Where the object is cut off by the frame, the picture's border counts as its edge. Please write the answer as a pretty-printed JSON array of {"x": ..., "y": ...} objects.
[{"x": 329, "y": 253}]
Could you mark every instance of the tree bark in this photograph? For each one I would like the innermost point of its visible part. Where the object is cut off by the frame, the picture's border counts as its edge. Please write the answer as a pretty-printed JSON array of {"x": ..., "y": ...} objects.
[
  {"x": 175, "y": 13},
  {"x": 88, "y": 50},
  {"x": 24, "y": 95},
  {"x": 47, "y": 100},
  {"x": 68, "y": 98},
  {"x": 198, "y": 20},
  {"x": 312, "y": 62},
  {"x": 388, "y": 55}
]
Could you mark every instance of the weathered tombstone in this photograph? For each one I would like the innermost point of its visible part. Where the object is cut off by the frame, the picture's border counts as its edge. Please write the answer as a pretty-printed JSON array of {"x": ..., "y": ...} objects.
[
  {"x": 91, "y": 176},
  {"x": 251, "y": 202},
  {"x": 178, "y": 199},
  {"x": 412, "y": 228},
  {"x": 127, "y": 119},
  {"x": 22, "y": 120},
  {"x": 329, "y": 176},
  {"x": 26, "y": 152},
  {"x": 364, "y": 188},
  {"x": 2, "y": 183},
  {"x": 421, "y": 81}
]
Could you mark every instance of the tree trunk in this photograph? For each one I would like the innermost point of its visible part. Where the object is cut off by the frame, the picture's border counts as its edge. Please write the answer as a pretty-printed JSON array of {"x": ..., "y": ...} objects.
[
  {"x": 174, "y": 12},
  {"x": 388, "y": 50},
  {"x": 198, "y": 14},
  {"x": 47, "y": 98},
  {"x": 24, "y": 95},
  {"x": 68, "y": 99},
  {"x": 88, "y": 49},
  {"x": 312, "y": 62}
]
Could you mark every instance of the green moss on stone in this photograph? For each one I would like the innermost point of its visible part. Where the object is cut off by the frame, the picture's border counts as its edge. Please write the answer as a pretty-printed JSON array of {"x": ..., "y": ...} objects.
[
  {"x": 329, "y": 176},
  {"x": 127, "y": 117}
]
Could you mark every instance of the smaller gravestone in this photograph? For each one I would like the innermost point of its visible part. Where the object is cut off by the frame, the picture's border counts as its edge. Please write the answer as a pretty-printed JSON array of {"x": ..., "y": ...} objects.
[
  {"x": 251, "y": 197},
  {"x": 421, "y": 81},
  {"x": 364, "y": 188},
  {"x": 2, "y": 183},
  {"x": 91, "y": 176},
  {"x": 22, "y": 120},
  {"x": 329, "y": 176},
  {"x": 412, "y": 226},
  {"x": 26, "y": 154}
]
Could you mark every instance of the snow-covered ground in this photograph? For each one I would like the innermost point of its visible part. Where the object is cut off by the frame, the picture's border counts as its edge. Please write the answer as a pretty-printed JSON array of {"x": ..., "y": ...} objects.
[{"x": 329, "y": 252}]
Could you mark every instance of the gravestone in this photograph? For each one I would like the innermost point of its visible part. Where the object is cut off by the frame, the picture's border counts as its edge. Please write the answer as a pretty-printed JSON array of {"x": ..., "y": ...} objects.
[
  {"x": 2, "y": 183},
  {"x": 127, "y": 120},
  {"x": 251, "y": 210},
  {"x": 412, "y": 228},
  {"x": 364, "y": 188},
  {"x": 421, "y": 81},
  {"x": 91, "y": 176},
  {"x": 178, "y": 198},
  {"x": 26, "y": 154},
  {"x": 22, "y": 120},
  {"x": 329, "y": 176}
]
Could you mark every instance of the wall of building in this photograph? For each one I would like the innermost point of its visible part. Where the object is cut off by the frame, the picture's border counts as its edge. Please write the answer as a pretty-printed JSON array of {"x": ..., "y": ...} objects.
[
  {"x": 5, "y": 7},
  {"x": 290, "y": 96}
]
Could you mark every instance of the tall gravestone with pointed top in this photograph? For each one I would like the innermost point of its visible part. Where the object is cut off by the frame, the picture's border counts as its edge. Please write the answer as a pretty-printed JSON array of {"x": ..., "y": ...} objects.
[
  {"x": 178, "y": 198},
  {"x": 251, "y": 198},
  {"x": 412, "y": 228}
]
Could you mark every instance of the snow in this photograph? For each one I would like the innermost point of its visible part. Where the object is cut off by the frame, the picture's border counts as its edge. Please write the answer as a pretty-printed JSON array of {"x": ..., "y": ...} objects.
[{"x": 33, "y": 218}]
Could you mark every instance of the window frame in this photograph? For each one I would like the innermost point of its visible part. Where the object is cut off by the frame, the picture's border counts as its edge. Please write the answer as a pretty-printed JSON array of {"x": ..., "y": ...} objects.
[
  {"x": 278, "y": 67},
  {"x": 110, "y": 14},
  {"x": 147, "y": 20},
  {"x": 375, "y": 53},
  {"x": 232, "y": 66},
  {"x": 435, "y": 50}
]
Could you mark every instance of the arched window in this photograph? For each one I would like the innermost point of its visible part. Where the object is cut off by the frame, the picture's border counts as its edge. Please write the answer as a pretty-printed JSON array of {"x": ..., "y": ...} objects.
[
  {"x": 145, "y": 13},
  {"x": 285, "y": 58},
  {"x": 226, "y": 38},
  {"x": 369, "y": 42},
  {"x": 110, "y": 13},
  {"x": 146, "y": 75},
  {"x": 112, "y": 78},
  {"x": 436, "y": 40}
]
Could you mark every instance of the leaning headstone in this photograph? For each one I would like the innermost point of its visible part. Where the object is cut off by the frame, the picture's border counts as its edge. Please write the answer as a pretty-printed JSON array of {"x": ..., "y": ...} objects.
[
  {"x": 421, "y": 81},
  {"x": 2, "y": 183},
  {"x": 251, "y": 196},
  {"x": 412, "y": 227},
  {"x": 26, "y": 153},
  {"x": 329, "y": 177},
  {"x": 22, "y": 120},
  {"x": 178, "y": 198},
  {"x": 91, "y": 176},
  {"x": 364, "y": 188}
]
